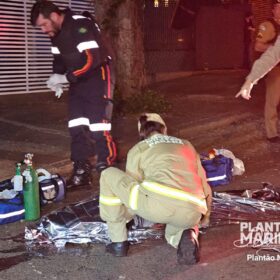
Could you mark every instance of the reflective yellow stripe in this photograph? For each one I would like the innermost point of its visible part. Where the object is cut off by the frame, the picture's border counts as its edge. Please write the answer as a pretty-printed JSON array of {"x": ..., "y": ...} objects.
[
  {"x": 173, "y": 193},
  {"x": 109, "y": 200},
  {"x": 133, "y": 197}
]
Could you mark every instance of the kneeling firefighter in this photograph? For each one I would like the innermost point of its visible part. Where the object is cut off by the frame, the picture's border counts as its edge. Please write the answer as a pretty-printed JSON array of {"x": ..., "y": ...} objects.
[{"x": 164, "y": 183}]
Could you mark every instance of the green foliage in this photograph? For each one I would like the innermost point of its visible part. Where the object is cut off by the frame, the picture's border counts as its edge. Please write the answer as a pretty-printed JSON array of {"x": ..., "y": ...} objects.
[{"x": 145, "y": 101}]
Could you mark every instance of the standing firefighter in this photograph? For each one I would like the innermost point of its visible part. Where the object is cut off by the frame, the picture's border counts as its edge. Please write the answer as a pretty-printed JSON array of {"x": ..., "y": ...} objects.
[
  {"x": 81, "y": 59},
  {"x": 164, "y": 183},
  {"x": 266, "y": 37}
]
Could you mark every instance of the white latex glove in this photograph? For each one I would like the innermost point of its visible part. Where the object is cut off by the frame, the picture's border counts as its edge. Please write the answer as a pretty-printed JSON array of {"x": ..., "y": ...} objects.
[
  {"x": 58, "y": 89},
  {"x": 245, "y": 90},
  {"x": 56, "y": 79},
  {"x": 58, "y": 92}
]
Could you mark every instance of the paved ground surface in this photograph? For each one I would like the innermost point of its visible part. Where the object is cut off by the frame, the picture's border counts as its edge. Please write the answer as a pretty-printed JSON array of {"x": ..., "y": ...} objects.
[{"x": 204, "y": 111}]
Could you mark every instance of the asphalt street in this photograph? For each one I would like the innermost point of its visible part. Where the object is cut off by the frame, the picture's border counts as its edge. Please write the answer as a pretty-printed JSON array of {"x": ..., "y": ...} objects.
[{"x": 205, "y": 112}]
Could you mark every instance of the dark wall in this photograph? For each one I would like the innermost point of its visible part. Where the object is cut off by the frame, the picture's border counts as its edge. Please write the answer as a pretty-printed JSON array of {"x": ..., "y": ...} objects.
[
  {"x": 195, "y": 34},
  {"x": 167, "y": 49},
  {"x": 220, "y": 37}
]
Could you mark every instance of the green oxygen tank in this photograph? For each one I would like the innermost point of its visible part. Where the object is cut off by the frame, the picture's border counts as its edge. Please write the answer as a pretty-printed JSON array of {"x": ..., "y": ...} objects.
[{"x": 31, "y": 191}]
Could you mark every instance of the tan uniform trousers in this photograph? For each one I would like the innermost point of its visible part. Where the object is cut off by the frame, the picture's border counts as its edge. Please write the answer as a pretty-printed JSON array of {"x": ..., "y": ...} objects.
[
  {"x": 272, "y": 101},
  {"x": 116, "y": 185}
]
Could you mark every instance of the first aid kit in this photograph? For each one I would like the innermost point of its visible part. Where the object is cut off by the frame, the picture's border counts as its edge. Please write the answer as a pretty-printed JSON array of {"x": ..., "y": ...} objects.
[
  {"x": 11, "y": 203},
  {"x": 218, "y": 170}
]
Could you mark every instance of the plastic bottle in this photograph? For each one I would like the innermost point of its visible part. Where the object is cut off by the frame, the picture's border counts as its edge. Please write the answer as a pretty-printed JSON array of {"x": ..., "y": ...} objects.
[
  {"x": 18, "y": 179},
  {"x": 31, "y": 191}
]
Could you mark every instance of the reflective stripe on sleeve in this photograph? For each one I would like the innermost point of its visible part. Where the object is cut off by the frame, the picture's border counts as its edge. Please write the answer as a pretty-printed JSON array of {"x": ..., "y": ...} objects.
[
  {"x": 79, "y": 121},
  {"x": 87, "y": 45},
  {"x": 77, "y": 17},
  {"x": 110, "y": 200},
  {"x": 133, "y": 197},
  {"x": 174, "y": 193},
  {"x": 100, "y": 127},
  {"x": 55, "y": 50}
]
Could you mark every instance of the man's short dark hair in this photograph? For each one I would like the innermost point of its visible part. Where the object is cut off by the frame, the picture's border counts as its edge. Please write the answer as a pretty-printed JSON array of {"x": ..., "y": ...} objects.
[
  {"x": 43, "y": 7},
  {"x": 148, "y": 127}
]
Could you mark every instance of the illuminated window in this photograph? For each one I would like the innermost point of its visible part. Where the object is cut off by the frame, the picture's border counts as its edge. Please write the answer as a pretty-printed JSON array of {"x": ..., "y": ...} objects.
[
  {"x": 156, "y": 4},
  {"x": 166, "y": 2}
]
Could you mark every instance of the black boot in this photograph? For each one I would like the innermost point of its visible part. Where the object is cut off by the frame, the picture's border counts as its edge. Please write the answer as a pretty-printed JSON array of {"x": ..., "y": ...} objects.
[
  {"x": 188, "y": 250},
  {"x": 100, "y": 166},
  {"x": 118, "y": 249},
  {"x": 81, "y": 174}
]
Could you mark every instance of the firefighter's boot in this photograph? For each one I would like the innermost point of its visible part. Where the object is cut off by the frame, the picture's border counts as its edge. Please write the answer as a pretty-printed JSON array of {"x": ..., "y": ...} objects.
[
  {"x": 188, "y": 249},
  {"x": 118, "y": 249},
  {"x": 81, "y": 174}
]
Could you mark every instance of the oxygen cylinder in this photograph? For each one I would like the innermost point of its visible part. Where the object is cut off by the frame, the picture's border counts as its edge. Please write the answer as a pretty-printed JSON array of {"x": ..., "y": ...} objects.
[{"x": 31, "y": 191}]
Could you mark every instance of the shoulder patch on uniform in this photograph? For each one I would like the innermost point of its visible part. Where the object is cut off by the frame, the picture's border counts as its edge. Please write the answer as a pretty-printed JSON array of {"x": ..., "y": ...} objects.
[
  {"x": 83, "y": 30},
  {"x": 159, "y": 139}
]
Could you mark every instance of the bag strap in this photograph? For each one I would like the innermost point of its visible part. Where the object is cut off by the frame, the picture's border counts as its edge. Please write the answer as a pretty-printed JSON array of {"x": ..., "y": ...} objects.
[{"x": 43, "y": 174}]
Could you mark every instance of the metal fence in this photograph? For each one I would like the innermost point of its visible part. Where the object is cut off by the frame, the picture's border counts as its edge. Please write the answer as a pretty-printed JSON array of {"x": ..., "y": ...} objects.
[
  {"x": 25, "y": 56},
  {"x": 166, "y": 49}
]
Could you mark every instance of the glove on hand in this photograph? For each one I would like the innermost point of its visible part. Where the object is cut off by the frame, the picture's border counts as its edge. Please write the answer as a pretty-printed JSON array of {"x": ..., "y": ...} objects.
[
  {"x": 245, "y": 90},
  {"x": 57, "y": 89},
  {"x": 56, "y": 79}
]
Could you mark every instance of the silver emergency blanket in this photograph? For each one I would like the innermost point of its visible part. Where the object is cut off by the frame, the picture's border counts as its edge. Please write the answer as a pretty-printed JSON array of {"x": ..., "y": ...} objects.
[
  {"x": 232, "y": 209},
  {"x": 81, "y": 223}
]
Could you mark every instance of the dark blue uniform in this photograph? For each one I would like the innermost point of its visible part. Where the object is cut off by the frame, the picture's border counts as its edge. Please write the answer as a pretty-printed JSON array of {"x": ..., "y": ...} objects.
[{"x": 79, "y": 52}]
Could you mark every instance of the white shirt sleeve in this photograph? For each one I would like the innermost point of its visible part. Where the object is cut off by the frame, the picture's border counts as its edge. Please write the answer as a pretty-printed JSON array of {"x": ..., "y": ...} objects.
[{"x": 265, "y": 63}]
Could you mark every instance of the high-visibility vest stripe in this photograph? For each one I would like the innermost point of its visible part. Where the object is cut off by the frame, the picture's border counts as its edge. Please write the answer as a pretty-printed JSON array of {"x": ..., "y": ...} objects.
[
  {"x": 217, "y": 178},
  {"x": 87, "y": 45},
  {"x": 173, "y": 193},
  {"x": 110, "y": 200},
  {"x": 133, "y": 197}
]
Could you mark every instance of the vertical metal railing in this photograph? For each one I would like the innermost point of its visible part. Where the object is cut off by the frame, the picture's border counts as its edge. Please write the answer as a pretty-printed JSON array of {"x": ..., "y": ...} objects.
[{"x": 25, "y": 58}]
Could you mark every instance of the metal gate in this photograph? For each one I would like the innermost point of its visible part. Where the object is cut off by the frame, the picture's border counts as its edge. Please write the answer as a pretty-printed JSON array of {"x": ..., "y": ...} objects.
[
  {"x": 25, "y": 57},
  {"x": 166, "y": 49}
]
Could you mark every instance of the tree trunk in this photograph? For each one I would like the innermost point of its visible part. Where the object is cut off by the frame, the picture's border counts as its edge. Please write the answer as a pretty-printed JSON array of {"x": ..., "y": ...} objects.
[{"x": 123, "y": 23}]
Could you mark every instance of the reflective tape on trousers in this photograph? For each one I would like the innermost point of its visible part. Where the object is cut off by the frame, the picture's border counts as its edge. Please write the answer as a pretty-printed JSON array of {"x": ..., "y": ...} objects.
[
  {"x": 174, "y": 193},
  {"x": 133, "y": 197}
]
